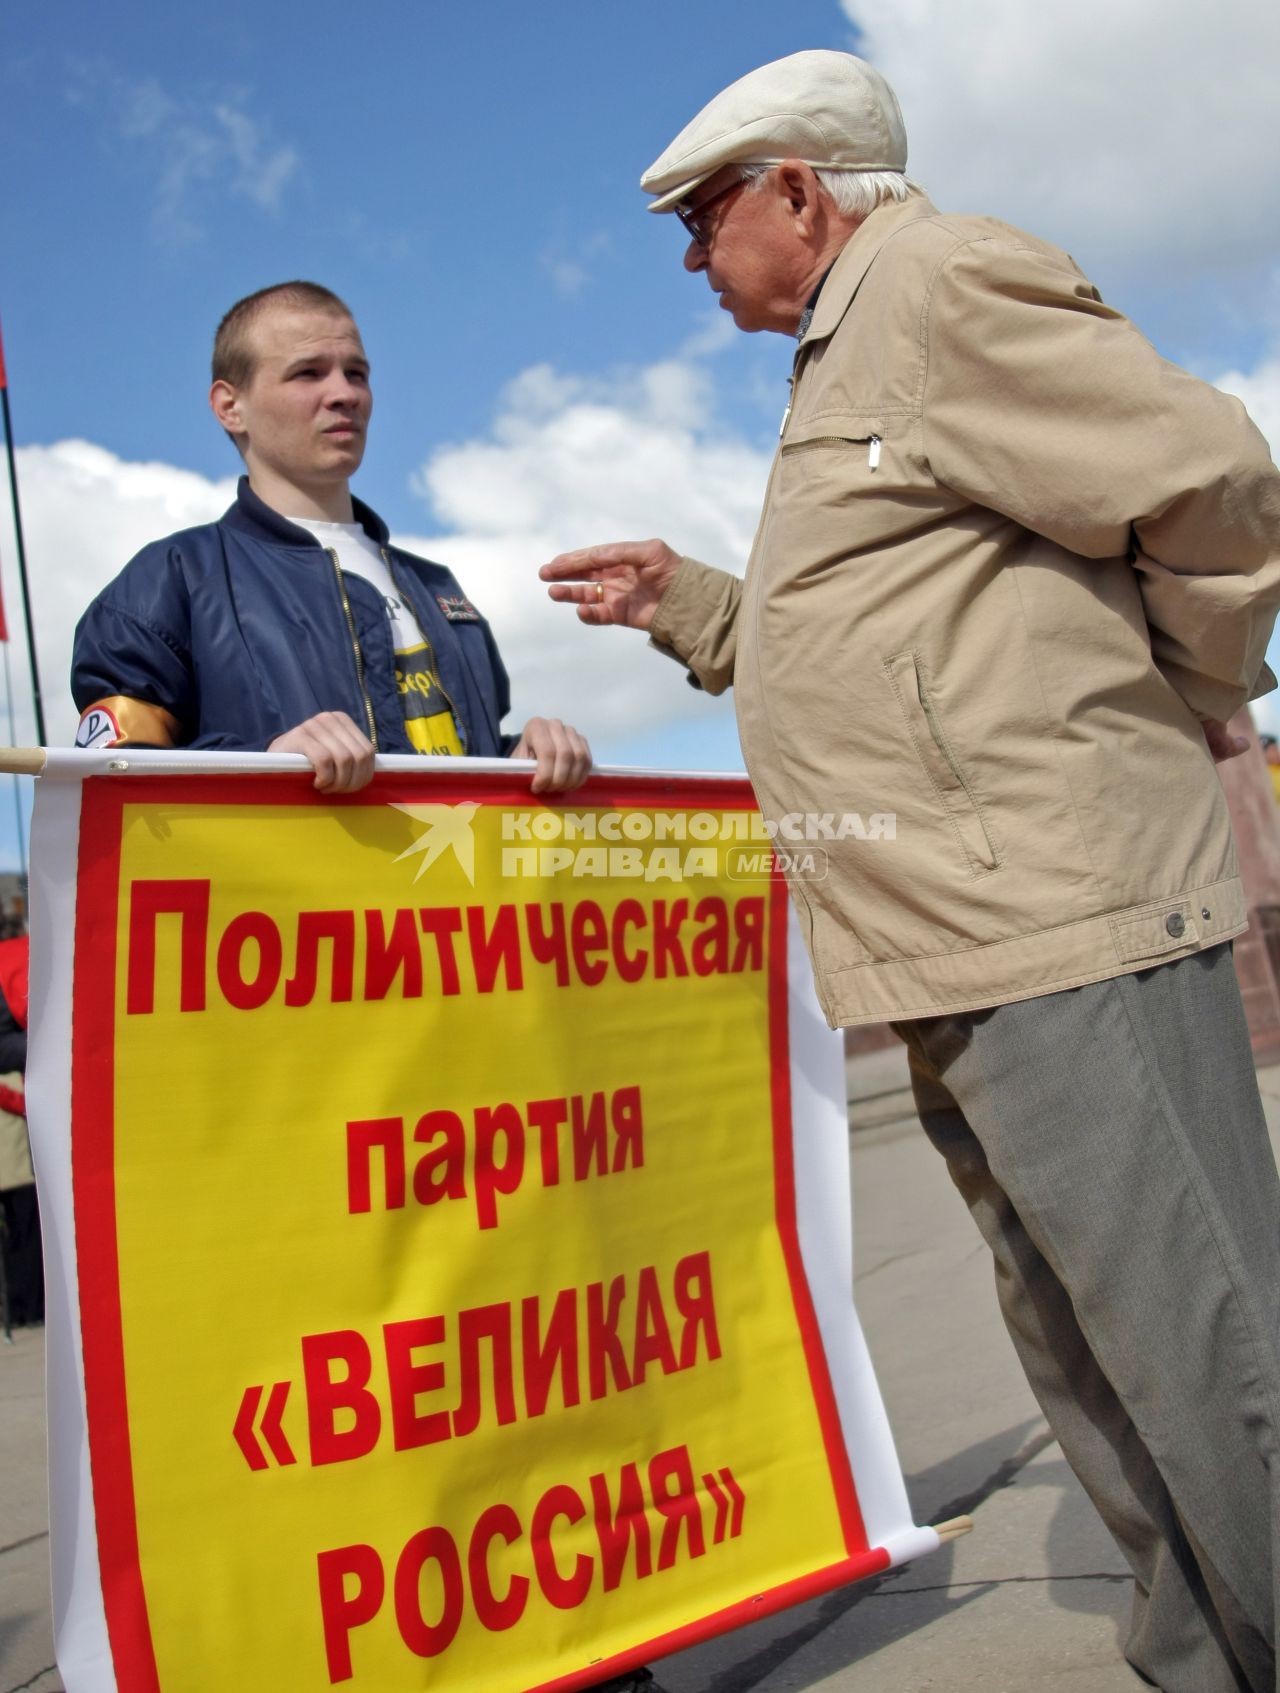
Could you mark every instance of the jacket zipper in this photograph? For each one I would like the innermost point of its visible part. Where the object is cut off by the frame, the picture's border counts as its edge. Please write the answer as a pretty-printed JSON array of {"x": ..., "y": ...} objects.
[
  {"x": 355, "y": 648},
  {"x": 391, "y": 571},
  {"x": 873, "y": 443}
]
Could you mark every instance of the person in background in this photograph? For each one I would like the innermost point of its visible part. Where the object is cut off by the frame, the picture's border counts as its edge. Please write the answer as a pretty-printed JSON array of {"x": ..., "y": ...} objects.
[
  {"x": 23, "y": 1262},
  {"x": 1271, "y": 752}
]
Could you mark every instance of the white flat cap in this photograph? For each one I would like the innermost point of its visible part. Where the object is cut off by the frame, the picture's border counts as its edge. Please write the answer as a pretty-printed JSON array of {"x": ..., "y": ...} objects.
[{"x": 831, "y": 110}]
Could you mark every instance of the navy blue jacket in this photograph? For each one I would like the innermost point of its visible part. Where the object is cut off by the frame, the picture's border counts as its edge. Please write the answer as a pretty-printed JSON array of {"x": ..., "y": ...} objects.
[{"x": 241, "y": 629}]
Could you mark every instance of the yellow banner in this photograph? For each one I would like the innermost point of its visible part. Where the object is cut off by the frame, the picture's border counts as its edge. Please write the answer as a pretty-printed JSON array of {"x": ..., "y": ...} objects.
[{"x": 444, "y": 1322}]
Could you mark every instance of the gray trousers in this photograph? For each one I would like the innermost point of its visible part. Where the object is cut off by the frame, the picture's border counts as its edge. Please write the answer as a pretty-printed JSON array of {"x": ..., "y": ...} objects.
[{"x": 1110, "y": 1144}]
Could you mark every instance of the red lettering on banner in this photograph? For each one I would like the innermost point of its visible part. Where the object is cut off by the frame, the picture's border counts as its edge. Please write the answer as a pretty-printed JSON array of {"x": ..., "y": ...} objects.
[
  {"x": 549, "y": 945},
  {"x": 603, "y": 1344},
  {"x": 498, "y": 948},
  {"x": 730, "y": 1503},
  {"x": 653, "y": 1335},
  {"x": 387, "y": 956},
  {"x": 340, "y": 1613},
  {"x": 590, "y": 937},
  {"x": 548, "y": 1117},
  {"x": 433, "y": 1584},
  {"x": 149, "y": 901},
  {"x": 497, "y": 1125},
  {"x": 711, "y": 947},
  {"x": 441, "y": 1172},
  {"x": 407, "y": 1380},
  {"x": 579, "y": 942},
  {"x": 345, "y": 1415},
  {"x": 749, "y": 930},
  {"x": 628, "y": 1129},
  {"x": 616, "y": 1529},
  {"x": 541, "y": 1355},
  {"x": 668, "y": 953},
  {"x": 564, "y": 1592},
  {"x": 630, "y": 914},
  {"x": 273, "y": 1434},
  {"x": 244, "y": 992},
  {"x": 429, "y": 1639},
  {"x": 696, "y": 1304},
  {"x": 499, "y": 1522},
  {"x": 314, "y": 928},
  {"x": 362, "y": 1136},
  {"x": 442, "y": 923},
  {"x": 589, "y": 1145},
  {"x": 329, "y": 1398},
  {"x": 481, "y": 1322},
  {"x": 501, "y": 1161},
  {"x": 671, "y": 1485}
]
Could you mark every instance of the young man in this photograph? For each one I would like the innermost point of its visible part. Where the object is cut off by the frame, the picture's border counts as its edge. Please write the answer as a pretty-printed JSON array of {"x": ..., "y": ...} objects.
[
  {"x": 1014, "y": 572},
  {"x": 291, "y": 624}
]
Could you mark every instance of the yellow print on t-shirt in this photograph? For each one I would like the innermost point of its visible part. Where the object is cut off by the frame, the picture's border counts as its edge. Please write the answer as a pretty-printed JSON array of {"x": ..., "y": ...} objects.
[{"x": 428, "y": 717}]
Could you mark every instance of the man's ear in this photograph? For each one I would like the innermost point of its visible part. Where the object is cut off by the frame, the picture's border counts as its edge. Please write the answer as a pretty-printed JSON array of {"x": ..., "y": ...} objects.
[
  {"x": 798, "y": 185},
  {"x": 225, "y": 403}
]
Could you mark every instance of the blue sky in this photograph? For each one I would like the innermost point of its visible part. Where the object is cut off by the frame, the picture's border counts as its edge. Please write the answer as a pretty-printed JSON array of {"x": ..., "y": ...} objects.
[{"x": 545, "y": 372}]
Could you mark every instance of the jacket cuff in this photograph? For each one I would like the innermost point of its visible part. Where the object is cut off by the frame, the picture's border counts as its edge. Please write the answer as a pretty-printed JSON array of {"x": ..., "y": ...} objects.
[{"x": 695, "y": 623}]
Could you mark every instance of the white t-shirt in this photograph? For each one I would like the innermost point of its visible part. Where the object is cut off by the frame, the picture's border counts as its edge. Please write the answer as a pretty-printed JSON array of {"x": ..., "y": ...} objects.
[{"x": 428, "y": 715}]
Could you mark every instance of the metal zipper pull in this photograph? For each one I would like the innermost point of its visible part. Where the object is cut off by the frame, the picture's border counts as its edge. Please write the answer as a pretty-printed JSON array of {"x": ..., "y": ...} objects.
[
  {"x": 791, "y": 389},
  {"x": 873, "y": 453}
]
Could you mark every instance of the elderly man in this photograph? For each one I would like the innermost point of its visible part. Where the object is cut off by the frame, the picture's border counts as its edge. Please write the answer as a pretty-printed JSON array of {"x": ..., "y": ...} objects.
[
  {"x": 292, "y": 624},
  {"x": 1012, "y": 573}
]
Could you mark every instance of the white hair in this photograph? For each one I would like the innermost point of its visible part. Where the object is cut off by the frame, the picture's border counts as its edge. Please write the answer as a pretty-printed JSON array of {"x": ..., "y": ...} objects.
[{"x": 856, "y": 193}]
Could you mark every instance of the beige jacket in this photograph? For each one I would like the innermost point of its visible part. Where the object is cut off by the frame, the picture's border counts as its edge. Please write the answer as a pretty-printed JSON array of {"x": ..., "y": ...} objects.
[{"x": 1008, "y": 557}]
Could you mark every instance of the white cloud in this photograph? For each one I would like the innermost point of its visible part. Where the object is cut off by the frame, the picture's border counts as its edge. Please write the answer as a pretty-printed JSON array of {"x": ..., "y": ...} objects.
[
  {"x": 569, "y": 462},
  {"x": 1260, "y": 391},
  {"x": 85, "y": 512},
  {"x": 193, "y": 144},
  {"x": 1131, "y": 130},
  {"x": 571, "y": 273}
]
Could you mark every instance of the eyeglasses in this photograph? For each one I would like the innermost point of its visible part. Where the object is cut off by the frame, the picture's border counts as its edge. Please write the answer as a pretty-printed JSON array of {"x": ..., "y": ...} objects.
[{"x": 695, "y": 219}]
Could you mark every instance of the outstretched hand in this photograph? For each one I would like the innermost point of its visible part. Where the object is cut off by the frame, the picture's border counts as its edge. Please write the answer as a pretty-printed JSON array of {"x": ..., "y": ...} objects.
[{"x": 620, "y": 582}]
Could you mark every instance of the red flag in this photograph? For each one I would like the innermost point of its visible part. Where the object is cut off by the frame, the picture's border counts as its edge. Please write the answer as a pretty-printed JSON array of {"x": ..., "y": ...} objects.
[{"x": 4, "y": 383}]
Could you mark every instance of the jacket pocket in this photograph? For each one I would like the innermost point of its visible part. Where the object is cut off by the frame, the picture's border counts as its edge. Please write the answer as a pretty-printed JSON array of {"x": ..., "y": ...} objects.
[
  {"x": 865, "y": 433},
  {"x": 955, "y": 794}
]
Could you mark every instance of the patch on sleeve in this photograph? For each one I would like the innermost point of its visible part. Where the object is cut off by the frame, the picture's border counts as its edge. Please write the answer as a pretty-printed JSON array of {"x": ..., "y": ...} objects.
[
  {"x": 457, "y": 608},
  {"x": 119, "y": 721},
  {"x": 98, "y": 728}
]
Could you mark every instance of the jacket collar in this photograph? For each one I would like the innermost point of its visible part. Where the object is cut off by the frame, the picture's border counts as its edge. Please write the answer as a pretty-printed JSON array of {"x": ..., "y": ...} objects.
[
  {"x": 856, "y": 258},
  {"x": 254, "y": 517}
]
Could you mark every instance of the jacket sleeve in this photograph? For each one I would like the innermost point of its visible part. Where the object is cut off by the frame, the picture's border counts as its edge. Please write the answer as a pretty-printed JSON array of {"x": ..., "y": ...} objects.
[
  {"x": 1044, "y": 404},
  {"x": 502, "y": 692},
  {"x": 696, "y": 623},
  {"x": 131, "y": 660}
]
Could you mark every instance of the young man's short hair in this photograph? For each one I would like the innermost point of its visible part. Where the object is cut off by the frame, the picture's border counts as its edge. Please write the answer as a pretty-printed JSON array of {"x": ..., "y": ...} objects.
[{"x": 233, "y": 356}]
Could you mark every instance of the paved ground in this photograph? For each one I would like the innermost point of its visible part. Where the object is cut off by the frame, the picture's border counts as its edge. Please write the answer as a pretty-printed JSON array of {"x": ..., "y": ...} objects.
[{"x": 1028, "y": 1603}]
